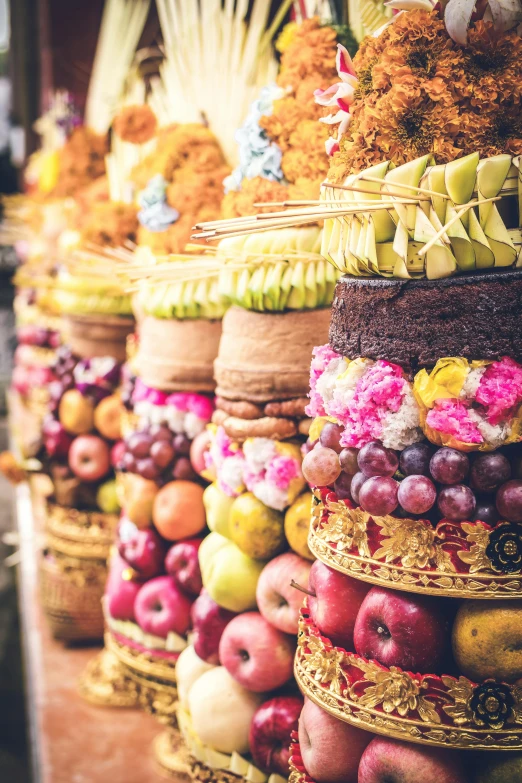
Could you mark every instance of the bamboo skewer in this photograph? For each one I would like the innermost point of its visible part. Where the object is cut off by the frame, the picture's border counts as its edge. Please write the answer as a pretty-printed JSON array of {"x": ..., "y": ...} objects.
[
  {"x": 356, "y": 189},
  {"x": 418, "y": 189},
  {"x": 424, "y": 249}
]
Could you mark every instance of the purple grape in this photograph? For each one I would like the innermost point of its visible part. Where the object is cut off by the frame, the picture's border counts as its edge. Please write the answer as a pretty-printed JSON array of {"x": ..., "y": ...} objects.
[
  {"x": 160, "y": 432},
  {"x": 182, "y": 445},
  {"x": 162, "y": 452},
  {"x": 449, "y": 466},
  {"x": 509, "y": 500},
  {"x": 320, "y": 466},
  {"x": 489, "y": 471},
  {"x": 128, "y": 462},
  {"x": 485, "y": 512},
  {"x": 139, "y": 443},
  {"x": 348, "y": 461},
  {"x": 183, "y": 470},
  {"x": 376, "y": 460},
  {"x": 342, "y": 486},
  {"x": 456, "y": 503},
  {"x": 331, "y": 435},
  {"x": 417, "y": 494},
  {"x": 355, "y": 487},
  {"x": 378, "y": 495},
  {"x": 415, "y": 459},
  {"x": 147, "y": 469}
]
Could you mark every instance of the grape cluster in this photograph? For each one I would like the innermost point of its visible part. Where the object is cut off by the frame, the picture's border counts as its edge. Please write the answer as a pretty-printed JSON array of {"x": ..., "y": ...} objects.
[
  {"x": 438, "y": 483},
  {"x": 156, "y": 453}
]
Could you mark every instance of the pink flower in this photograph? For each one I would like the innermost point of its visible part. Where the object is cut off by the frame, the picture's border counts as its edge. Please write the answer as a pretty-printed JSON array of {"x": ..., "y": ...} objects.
[
  {"x": 500, "y": 389},
  {"x": 201, "y": 406},
  {"x": 281, "y": 470},
  {"x": 378, "y": 392},
  {"x": 339, "y": 96},
  {"x": 322, "y": 355},
  {"x": 140, "y": 391},
  {"x": 156, "y": 397},
  {"x": 179, "y": 400},
  {"x": 451, "y": 417}
]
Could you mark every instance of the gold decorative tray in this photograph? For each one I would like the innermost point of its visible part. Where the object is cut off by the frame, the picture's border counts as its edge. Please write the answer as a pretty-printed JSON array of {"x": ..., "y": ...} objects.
[
  {"x": 427, "y": 709},
  {"x": 457, "y": 560}
]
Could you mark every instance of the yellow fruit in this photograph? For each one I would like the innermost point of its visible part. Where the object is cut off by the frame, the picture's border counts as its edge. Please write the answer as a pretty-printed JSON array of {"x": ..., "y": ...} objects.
[
  {"x": 76, "y": 412},
  {"x": 256, "y": 529},
  {"x": 487, "y": 640},
  {"x": 297, "y": 525}
]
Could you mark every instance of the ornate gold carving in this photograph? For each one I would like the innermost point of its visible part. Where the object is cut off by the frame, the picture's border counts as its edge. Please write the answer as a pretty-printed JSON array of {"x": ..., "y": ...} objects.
[
  {"x": 171, "y": 754},
  {"x": 143, "y": 663},
  {"x": 416, "y": 708},
  {"x": 106, "y": 683},
  {"x": 413, "y": 556}
]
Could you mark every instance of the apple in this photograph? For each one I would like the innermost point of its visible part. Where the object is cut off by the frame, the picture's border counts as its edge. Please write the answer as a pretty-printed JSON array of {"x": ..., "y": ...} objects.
[
  {"x": 137, "y": 495},
  {"x": 257, "y": 655},
  {"x": 389, "y": 761},
  {"x": 56, "y": 439},
  {"x": 217, "y": 506},
  {"x": 178, "y": 510},
  {"x": 401, "y": 629},
  {"x": 209, "y": 620},
  {"x": 198, "y": 447},
  {"x": 107, "y": 497},
  {"x": 229, "y": 576},
  {"x": 76, "y": 412},
  {"x": 182, "y": 564},
  {"x": 270, "y": 733},
  {"x": 121, "y": 590},
  {"x": 330, "y": 749},
  {"x": 334, "y": 601},
  {"x": 161, "y": 607},
  {"x": 89, "y": 458},
  {"x": 278, "y": 601},
  {"x": 142, "y": 549},
  {"x": 189, "y": 667},
  {"x": 117, "y": 452},
  {"x": 222, "y": 711},
  {"x": 107, "y": 417}
]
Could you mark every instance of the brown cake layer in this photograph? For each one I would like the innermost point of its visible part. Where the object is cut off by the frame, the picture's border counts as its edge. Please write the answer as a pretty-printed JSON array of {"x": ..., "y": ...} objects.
[{"x": 416, "y": 322}]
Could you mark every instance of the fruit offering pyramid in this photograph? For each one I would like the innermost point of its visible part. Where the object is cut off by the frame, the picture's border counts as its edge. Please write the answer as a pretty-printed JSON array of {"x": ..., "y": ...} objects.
[{"x": 408, "y": 645}]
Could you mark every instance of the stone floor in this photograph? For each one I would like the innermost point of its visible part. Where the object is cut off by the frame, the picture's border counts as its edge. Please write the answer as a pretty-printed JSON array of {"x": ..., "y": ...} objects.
[{"x": 14, "y": 762}]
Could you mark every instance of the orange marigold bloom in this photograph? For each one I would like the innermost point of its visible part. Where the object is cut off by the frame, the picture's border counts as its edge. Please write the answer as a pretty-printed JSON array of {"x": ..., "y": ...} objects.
[
  {"x": 111, "y": 224},
  {"x": 135, "y": 124},
  {"x": 82, "y": 160},
  {"x": 239, "y": 203}
]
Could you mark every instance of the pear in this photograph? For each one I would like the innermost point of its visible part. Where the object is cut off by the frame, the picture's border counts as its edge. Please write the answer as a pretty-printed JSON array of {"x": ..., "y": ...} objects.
[
  {"x": 217, "y": 507},
  {"x": 229, "y": 576},
  {"x": 460, "y": 177},
  {"x": 256, "y": 529}
]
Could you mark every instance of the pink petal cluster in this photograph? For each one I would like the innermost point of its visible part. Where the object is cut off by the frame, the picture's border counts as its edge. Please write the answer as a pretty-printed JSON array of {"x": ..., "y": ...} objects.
[
  {"x": 281, "y": 470},
  {"x": 339, "y": 96},
  {"x": 378, "y": 392},
  {"x": 500, "y": 390},
  {"x": 451, "y": 416},
  {"x": 198, "y": 404},
  {"x": 322, "y": 355}
]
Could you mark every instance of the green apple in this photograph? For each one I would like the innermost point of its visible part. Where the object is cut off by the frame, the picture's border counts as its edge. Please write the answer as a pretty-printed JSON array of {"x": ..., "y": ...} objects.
[
  {"x": 107, "y": 497},
  {"x": 229, "y": 576},
  {"x": 217, "y": 507}
]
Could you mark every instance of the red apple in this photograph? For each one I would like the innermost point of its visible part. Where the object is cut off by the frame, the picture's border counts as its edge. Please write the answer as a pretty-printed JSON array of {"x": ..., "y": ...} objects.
[
  {"x": 387, "y": 760},
  {"x": 277, "y": 600},
  {"x": 89, "y": 458},
  {"x": 255, "y": 653},
  {"x": 331, "y": 749},
  {"x": 401, "y": 629},
  {"x": 56, "y": 440},
  {"x": 209, "y": 620},
  {"x": 334, "y": 603},
  {"x": 161, "y": 607},
  {"x": 182, "y": 564},
  {"x": 270, "y": 733},
  {"x": 121, "y": 590},
  {"x": 142, "y": 549},
  {"x": 117, "y": 452}
]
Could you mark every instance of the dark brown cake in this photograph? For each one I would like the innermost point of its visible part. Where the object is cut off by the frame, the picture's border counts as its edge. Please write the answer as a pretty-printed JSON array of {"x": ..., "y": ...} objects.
[{"x": 416, "y": 322}]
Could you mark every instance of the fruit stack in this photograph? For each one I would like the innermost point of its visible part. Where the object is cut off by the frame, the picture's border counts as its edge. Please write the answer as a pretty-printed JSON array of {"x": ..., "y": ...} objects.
[
  {"x": 411, "y": 629},
  {"x": 81, "y": 434}
]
